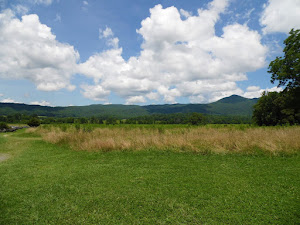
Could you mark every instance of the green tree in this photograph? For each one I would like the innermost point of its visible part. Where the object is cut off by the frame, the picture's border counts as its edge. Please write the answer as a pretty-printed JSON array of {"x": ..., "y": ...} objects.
[
  {"x": 3, "y": 126},
  {"x": 111, "y": 120},
  {"x": 196, "y": 119},
  {"x": 267, "y": 111},
  {"x": 284, "y": 107},
  {"x": 286, "y": 69},
  {"x": 34, "y": 122}
]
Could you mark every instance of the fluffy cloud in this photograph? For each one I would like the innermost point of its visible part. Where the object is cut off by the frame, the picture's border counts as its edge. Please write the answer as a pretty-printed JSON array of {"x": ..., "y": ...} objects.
[
  {"x": 42, "y": 103},
  {"x": 184, "y": 13},
  {"x": 281, "y": 16},
  {"x": 8, "y": 100},
  {"x": 109, "y": 36},
  {"x": 105, "y": 33},
  {"x": 95, "y": 92},
  {"x": 29, "y": 50},
  {"x": 135, "y": 99},
  {"x": 153, "y": 96},
  {"x": 256, "y": 91},
  {"x": 1, "y": 95},
  {"x": 211, "y": 90},
  {"x": 181, "y": 57}
]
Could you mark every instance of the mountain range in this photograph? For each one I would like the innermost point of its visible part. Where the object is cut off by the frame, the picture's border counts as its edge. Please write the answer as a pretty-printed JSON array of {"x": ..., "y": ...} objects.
[{"x": 234, "y": 105}]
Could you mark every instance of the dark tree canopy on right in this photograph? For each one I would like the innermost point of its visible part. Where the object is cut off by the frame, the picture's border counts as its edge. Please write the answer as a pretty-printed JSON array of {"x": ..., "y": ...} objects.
[
  {"x": 286, "y": 69},
  {"x": 282, "y": 108}
]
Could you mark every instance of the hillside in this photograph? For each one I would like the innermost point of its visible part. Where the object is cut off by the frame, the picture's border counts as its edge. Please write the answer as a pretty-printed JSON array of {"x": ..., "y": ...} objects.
[{"x": 233, "y": 105}]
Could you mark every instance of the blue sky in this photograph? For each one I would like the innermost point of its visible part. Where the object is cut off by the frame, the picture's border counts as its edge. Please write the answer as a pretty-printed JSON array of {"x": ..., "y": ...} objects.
[{"x": 71, "y": 52}]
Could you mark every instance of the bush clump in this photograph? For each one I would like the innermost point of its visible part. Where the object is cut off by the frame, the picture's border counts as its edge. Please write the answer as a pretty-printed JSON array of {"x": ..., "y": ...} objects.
[
  {"x": 3, "y": 126},
  {"x": 34, "y": 122}
]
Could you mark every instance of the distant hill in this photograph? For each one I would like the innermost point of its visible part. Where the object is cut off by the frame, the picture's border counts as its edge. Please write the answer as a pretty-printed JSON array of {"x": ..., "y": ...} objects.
[{"x": 233, "y": 105}]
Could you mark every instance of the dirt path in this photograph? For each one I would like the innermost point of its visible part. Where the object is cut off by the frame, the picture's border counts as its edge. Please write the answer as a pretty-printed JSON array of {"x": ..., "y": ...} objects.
[{"x": 4, "y": 157}]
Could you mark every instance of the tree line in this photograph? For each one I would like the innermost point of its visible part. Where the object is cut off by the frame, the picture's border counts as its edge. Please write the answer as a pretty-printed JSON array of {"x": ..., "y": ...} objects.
[{"x": 175, "y": 118}]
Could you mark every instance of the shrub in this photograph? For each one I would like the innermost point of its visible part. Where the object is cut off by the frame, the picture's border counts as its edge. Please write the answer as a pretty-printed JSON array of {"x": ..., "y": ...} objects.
[
  {"x": 77, "y": 127},
  {"x": 3, "y": 126},
  {"x": 196, "y": 119},
  {"x": 34, "y": 122}
]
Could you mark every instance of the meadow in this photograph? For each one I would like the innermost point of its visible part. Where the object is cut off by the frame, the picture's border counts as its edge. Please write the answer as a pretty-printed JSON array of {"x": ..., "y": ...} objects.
[
  {"x": 223, "y": 139},
  {"x": 150, "y": 175}
]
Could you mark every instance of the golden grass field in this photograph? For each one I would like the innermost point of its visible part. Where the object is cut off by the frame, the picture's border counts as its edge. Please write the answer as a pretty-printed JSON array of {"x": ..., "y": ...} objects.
[{"x": 272, "y": 140}]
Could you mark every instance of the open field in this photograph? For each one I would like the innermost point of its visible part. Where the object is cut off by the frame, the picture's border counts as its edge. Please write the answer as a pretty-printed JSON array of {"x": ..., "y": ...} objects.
[
  {"x": 222, "y": 139},
  {"x": 45, "y": 183}
]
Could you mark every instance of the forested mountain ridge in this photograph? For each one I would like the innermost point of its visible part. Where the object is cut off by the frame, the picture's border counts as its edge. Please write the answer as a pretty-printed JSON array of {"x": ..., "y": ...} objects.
[{"x": 233, "y": 105}]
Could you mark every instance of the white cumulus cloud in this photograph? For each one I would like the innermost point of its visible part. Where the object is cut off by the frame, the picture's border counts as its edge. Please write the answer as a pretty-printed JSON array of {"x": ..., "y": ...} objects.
[
  {"x": 109, "y": 36},
  {"x": 8, "y": 100},
  {"x": 29, "y": 50},
  {"x": 153, "y": 96},
  {"x": 256, "y": 91},
  {"x": 105, "y": 33},
  {"x": 135, "y": 99},
  {"x": 42, "y": 103},
  {"x": 179, "y": 58},
  {"x": 95, "y": 92},
  {"x": 186, "y": 14},
  {"x": 281, "y": 16}
]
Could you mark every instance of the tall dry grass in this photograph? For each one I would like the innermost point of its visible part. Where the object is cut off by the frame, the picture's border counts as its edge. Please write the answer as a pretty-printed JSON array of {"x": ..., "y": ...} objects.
[{"x": 199, "y": 139}]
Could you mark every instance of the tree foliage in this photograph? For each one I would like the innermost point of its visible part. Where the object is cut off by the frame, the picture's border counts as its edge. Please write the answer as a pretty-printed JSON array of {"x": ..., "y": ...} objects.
[
  {"x": 286, "y": 69},
  {"x": 34, "y": 122},
  {"x": 196, "y": 119},
  {"x": 3, "y": 126},
  {"x": 282, "y": 108},
  {"x": 274, "y": 109}
]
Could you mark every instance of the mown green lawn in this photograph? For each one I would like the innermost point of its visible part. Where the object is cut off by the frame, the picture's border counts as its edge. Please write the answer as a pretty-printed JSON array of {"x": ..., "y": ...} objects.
[{"x": 46, "y": 184}]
